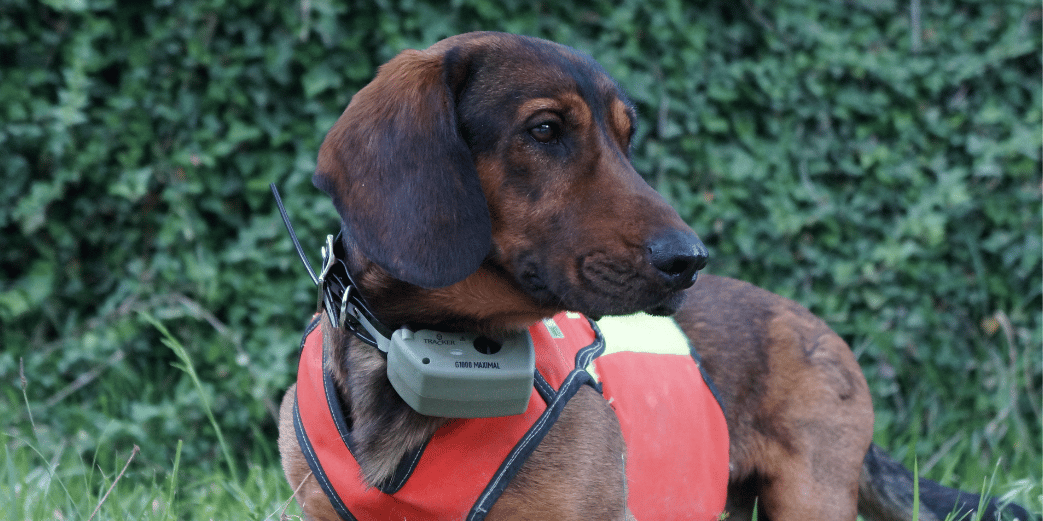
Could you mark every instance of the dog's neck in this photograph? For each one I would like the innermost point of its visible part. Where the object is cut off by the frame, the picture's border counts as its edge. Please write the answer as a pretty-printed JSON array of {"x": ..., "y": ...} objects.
[
  {"x": 384, "y": 427},
  {"x": 488, "y": 302}
]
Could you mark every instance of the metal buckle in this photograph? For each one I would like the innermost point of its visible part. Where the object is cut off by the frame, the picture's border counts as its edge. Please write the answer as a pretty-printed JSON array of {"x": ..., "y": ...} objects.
[
  {"x": 344, "y": 305},
  {"x": 327, "y": 263}
]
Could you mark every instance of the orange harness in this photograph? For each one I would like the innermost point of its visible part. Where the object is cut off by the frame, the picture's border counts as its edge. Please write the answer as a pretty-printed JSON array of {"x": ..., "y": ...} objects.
[{"x": 461, "y": 471}]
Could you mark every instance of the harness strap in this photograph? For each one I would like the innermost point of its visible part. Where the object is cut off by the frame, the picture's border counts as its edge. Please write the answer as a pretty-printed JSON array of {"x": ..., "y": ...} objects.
[{"x": 469, "y": 468}]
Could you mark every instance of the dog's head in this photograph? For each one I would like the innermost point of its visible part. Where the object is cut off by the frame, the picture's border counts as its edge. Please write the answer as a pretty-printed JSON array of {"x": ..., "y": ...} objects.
[{"x": 487, "y": 179}]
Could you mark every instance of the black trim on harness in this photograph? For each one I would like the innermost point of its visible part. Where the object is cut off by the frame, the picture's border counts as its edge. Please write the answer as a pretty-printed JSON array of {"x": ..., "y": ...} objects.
[
  {"x": 305, "y": 443},
  {"x": 403, "y": 471},
  {"x": 521, "y": 452},
  {"x": 334, "y": 405},
  {"x": 543, "y": 387},
  {"x": 406, "y": 465},
  {"x": 316, "y": 468},
  {"x": 597, "y": 348},
  {"x": 523, "y": 449},
  {"x": 706, "y": 377}
]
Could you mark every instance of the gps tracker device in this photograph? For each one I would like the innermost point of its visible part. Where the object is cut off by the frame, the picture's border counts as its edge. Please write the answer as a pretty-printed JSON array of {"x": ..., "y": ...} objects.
[
  {"x": 461, "y": 375},
  {"x": 458, "y": 375}
]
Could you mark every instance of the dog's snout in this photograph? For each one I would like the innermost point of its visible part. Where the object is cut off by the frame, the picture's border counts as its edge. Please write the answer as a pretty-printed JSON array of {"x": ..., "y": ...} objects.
[{"x": 679, "y": 256}]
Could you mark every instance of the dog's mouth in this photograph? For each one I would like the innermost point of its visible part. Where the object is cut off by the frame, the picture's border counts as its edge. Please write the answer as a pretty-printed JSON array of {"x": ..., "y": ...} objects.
[
  {"x": 602, "y": 287},
  {"x": 535, "y": 285},
  {"x": 669, "y": 306}
]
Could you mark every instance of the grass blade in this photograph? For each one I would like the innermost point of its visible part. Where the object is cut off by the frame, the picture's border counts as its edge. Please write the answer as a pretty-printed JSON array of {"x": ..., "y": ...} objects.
[
  {"x": 172, "y": 490},
  {"x": 190, "y": 370}
]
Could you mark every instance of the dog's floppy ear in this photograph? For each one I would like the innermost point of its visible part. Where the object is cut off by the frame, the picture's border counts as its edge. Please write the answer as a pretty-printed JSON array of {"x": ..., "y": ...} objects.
[{"x": 401, "y": 176}]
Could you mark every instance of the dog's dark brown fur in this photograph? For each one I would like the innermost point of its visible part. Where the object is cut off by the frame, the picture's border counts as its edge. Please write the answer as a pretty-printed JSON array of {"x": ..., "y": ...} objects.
[
  {"x": 485, "y": 183},
  {"x": 796, "y": 403}
]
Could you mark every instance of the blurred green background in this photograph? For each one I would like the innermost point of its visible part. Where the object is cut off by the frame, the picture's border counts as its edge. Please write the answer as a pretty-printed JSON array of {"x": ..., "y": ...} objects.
[{"x": 877, "y": 161}]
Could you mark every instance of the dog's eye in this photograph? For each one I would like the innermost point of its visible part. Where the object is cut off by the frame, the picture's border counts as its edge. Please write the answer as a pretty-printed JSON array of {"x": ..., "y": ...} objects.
[{"x": 545, "y": 132}]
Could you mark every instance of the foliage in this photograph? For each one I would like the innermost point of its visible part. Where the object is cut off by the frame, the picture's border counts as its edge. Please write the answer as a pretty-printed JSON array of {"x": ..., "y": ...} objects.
[{"x": 877, "y": 161}]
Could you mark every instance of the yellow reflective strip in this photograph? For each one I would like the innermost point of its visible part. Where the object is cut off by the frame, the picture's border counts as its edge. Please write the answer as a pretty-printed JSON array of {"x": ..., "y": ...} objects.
[
  {"x": 552, "y": 328},
  {"x": 643, "y": 333},
  {"x": 593, "y": 371}
]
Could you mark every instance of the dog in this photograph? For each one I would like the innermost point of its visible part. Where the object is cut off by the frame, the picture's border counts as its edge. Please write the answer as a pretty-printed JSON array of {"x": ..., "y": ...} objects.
[{"x": 484, "y": 184}]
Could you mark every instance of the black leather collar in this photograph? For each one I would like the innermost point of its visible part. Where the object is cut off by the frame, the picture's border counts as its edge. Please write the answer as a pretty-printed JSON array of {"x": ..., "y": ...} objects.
[{"x": 339, "y": 295}]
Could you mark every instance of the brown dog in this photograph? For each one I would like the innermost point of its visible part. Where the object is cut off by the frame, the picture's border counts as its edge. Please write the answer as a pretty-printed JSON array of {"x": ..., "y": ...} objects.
[{"x": 485, "y": 184}]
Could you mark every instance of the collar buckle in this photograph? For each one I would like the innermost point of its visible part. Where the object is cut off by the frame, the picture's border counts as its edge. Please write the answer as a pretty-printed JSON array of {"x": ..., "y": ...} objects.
[{"x": 337, "y": 292}]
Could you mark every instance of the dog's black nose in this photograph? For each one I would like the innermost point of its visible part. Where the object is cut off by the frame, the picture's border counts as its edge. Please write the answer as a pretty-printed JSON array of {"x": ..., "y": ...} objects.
[{"x": 679, "y": 256}]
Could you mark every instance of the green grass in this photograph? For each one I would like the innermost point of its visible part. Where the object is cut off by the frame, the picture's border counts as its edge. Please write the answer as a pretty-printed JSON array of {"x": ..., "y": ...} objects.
[
  {"x": 977, "y": 431},
  {"x": 47, "y": 473},
  {"x": 189, "y": 368},
  {"x": 53, "y": 482},
  {"x": 43, "y": 478}
]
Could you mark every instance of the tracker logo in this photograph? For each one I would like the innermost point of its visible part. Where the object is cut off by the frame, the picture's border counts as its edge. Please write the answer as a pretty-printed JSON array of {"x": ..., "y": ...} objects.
[{"x": 438, "y": 341}]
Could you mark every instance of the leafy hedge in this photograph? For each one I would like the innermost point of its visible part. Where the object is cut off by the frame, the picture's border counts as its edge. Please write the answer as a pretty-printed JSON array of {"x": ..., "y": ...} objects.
[{"x": 877, "y": 161}]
